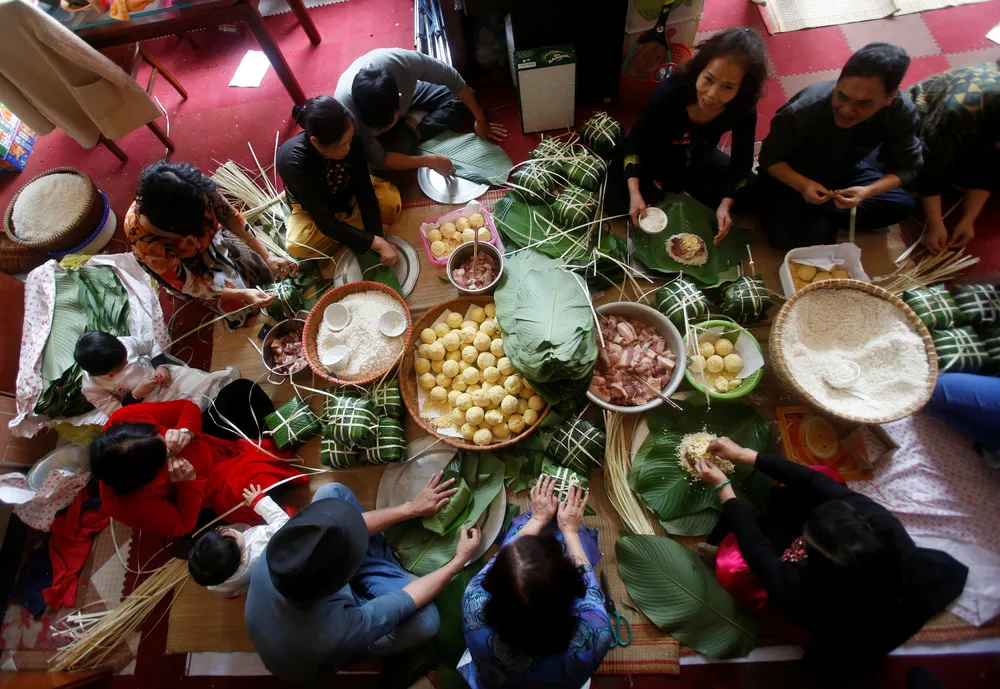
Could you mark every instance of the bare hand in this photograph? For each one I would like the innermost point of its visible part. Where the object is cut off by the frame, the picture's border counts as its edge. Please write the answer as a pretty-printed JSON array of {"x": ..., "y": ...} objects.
[
  {"x": 709, "y": 473},
  {"x": 282, "y": 267},
  {"x": 816, "y": 193},
  {"x": 571, "y": 510},
  {"x": 724, "y": 448},
  {"x": 936, "y": 237},
  {"x": 441, "y": 164},
  {"x": 636, "y": 208},
  {"x": 432, "y": 496},
  {"x": 468, "y": 543},
  {"x": 850, "y": 198},
  {"x": 250, "y": 494},
  {"x": 176, "y": 441},
  {"x": 144, "y": 389},
  {"x": 387, "y": 254},
  {"x": 544, "y": 503},
  {"x": 180, "y": 470},
  {"x": 255, "y": 298},
  {"x": 963, "y": 234},
  {"x": 165, "y": 378},
  {"x": 725, "y": 223},
  {"x": 491, "y": 131}
]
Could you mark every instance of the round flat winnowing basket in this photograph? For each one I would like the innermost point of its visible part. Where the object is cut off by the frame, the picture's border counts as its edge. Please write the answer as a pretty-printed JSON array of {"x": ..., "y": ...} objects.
[
  {"x": 311, "y": 331},
  {"x": 408, "y": 379},
  {"x": 779, "y": 364},
  {"x": 75, "y": 232}
]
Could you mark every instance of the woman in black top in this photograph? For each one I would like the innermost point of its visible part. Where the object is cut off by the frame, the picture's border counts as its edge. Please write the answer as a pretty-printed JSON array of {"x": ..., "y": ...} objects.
[
  {"x": 673, "y": 146},
  {"x": 835, "y": 563},
  {"x": 333, "y": 198}
]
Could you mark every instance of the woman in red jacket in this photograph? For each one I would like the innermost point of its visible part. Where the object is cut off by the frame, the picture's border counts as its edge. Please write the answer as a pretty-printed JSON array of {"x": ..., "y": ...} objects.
[{"x": 158, "y": 470}]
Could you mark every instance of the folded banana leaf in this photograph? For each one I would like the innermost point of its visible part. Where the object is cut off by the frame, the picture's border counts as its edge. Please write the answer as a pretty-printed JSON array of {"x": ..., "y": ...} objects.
[
  {"x": 601, "y": 133},
  {"x": 565, "y": 479},
  {"x": 935, "y": 307},
  {"x": 991, "y": 341},
  {"x": 292, "y": 424},
  {"x": 960, "y": 350},
  {"x": 390, "y": 442},
  {"x": 586, "y": 171},
  {"x": 386, "y": 398},
  {"x": 576, "y": 444},
  {"x": 552, "y": 153},
  {"x": 287, "y": 299},
  {"x": 538, "y": 183},
  {"x": 352, "y": 420},
  {"x": 337, "y": 455},
  {"x": 746, "y": 300},
  {"x": 575, "y": 207},
  {"x": 980, "y": 304},
  {"x": 681, "y": 296},
  {"x": 474, "y": 158},
  {"x": 452, "y": 515}
]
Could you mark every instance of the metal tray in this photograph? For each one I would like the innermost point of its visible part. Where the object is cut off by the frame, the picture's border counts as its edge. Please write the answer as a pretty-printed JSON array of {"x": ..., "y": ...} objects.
[
  {"x": 407, "y": 266},
  {"x": 451, "y": 189}
]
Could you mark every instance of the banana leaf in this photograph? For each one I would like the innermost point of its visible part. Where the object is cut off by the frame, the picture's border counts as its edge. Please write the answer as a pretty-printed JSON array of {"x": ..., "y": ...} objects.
[
  {"x": 337, "y": 455},
  {"x": 538, "y": 182},
  {"x": 746, "y": 300},
  {"x": 991, "y": 342},
  {"x": 452, "y": 515},
  {"x": 372, "y": 269},
  {"x": 390, "y": 442},
  {"x": 576, "y": 444},
  {"x": 552, "y": 153},
  {"x": 681, "y": 596},
  {"x": 291, "y": 424},
  {"x": 475, "y": 159},
  {"x": 352, "y": 420},
  {"x": 601, "y": 133},
  {"x": 684, "y": 506},
  {"x": 681, "y": 300},
  {"x": 575, "y": 206},
  {"x": 687, "y": 215},
  {"x": 934, "y": 306},
  {"x": 69, "y": 322},
  {"x": 287, "y": 299},
  {"x": 386, "y": 398},
  {"x": 586, "y": 171},
  {"x": 979, "y": 304},
  {"x": 960, "y": 350}
]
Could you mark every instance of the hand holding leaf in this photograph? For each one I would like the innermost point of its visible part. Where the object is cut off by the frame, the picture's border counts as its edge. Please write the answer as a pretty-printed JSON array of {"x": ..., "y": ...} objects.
[{"x": 432, "y": 497}]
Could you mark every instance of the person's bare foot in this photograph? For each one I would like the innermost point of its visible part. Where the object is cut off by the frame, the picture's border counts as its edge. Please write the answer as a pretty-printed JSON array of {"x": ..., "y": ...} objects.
[{"x": 708, "y": 553}]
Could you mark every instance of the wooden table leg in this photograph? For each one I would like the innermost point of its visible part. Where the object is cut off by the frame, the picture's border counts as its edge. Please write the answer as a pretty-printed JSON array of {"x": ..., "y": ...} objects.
[
  {"x": 273, "y": 53},
  {"x": 305, "y": 21}
]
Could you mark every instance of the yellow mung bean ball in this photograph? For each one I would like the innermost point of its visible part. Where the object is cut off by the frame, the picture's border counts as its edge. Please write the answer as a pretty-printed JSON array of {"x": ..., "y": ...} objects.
[
  {"x": 450, "y": 369},
  {"x": 482, "y": 342},
  {"x": 508, "y": 405},
  {"x": 485, "y": 360},
  {"x": 422, "y": 366},
  {"x": 513, "y": 384},
  {"x": 453, "y": 396},
  {"x": 470, "y": 375},
  {"x": 494, "y": 416},
  {"x": 470, "y": 354},
  {"x": 488, "y": 326},
  {"x": 468, "y": 431},
  {"x": 477, "y": 314},
  {"x": 516, "y": 423},
  {"x": 530, "y": 417},
  {"x": 464, "y": 401},
  {"x": 501, "y": 431},
  {"x": 437, "y": 367},
  {"x": 483, "y": 437},
  {"x": 496, "y": 347},
  {"x": 441, "y": 329},
  {"x": 491, "y": 310},
  {"x": 723, "y": 347},
  {"x": 443, "y": 380},
  {"x": 454, "y": 319},
  {"x": 439, "y": 394},
  {"x": 435, "y": 351},
  {"x": 481, "y": 398},
  {"x": 427, "y": 381},
  {"x": 491, "y": 374},
  {"x": 474, "y": 415},
  {"x": 497, "y": 393},
  {"x": 427, "y": 335},
  {"x": 452, "y": 341},
  {"x": 468, "y": 335},
  {"x": 536, "y": 403},
  {"x": 506, "y": 368}
]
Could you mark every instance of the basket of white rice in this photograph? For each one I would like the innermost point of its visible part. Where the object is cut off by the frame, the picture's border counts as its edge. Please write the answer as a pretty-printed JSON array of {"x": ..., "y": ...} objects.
[
  {"x": 55, "y": 211},
  {"x": 854, "y": 351}
]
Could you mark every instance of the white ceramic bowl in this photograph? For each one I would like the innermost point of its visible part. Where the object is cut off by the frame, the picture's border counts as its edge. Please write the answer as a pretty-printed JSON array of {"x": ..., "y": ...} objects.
[
  {"x": 335, "y": 357},
  {"x": 392, "y": 324},
  {"x": 646, "y": 315},
  {"x": 657, "y": 213},
  {"x": 336, "y": 317}
]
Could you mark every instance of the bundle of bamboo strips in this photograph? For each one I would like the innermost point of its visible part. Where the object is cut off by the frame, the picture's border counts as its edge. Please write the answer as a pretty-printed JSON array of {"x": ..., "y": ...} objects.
[
  {"x": 617, "y": 463},
  {"x": 928, "y": 270}
]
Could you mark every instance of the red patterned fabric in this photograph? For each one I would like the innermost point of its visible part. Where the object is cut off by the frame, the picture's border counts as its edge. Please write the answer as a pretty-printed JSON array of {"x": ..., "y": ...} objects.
[{"x": 69, "y": 548}]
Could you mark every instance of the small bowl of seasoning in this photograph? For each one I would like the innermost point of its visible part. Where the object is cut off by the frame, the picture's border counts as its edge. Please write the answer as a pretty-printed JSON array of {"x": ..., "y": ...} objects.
[
  {"x": 392, "y": 324},
  {"x": 475, "y": 275}
]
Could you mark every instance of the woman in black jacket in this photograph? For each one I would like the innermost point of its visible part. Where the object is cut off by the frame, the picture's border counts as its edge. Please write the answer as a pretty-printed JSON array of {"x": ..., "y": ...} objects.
[{"x": 831, "y": 561}]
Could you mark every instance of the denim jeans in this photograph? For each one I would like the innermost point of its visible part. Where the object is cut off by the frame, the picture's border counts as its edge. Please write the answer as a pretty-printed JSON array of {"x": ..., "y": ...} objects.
[
  {"x": 970, "y": 404},
  {"x": 381, "y": 574}
]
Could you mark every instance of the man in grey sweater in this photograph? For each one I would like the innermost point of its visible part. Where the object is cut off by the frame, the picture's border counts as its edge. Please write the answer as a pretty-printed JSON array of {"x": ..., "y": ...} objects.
[
  {"x": 836, "y": 146},
  {"x": 401, "y": 97}
]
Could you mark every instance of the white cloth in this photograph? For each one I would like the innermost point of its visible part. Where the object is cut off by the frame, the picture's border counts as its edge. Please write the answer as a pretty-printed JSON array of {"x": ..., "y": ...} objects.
[
  {"x": 107, "y": 392},
  {"x": 145, "y": 322},
  {"x": 255, "y": 541},
  {"x": 946, "y": 497}
]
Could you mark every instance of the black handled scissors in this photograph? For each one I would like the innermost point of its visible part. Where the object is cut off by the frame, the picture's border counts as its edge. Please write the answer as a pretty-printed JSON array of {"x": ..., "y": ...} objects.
[{"x": 618, "y": 622}]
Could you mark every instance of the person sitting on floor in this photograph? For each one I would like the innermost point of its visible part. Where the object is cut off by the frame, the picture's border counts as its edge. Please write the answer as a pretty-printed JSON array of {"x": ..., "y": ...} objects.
[
  {"x": 970, "y": 403},
  {"x": 673, "y": 145},
  {"x": 118, "y": 371},
  {"x": 334, "y": 199},
  {"x": 545, "y": 576},
  {"x": 401, "y": 97},
  {"x": 819, "y": 157},
  {"x": 329, "y": 589},
  {"x": 960, "y": 132},
  {"x": 824, "y": 565},
  {"x": 184, "y": 232},
  {"x": 158, "y": 470},
  {"x": 221, "y": 560}
]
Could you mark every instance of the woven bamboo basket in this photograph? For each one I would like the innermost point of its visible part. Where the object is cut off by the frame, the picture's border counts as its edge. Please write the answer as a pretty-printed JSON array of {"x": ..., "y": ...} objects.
[
  {"x": 315, "y": 320},
  {"x": 781, "y": 367},
  {"x": 408, "y": 379},
  {"x": 75, "y": 232},
  {"x": 15, "y": 258}
]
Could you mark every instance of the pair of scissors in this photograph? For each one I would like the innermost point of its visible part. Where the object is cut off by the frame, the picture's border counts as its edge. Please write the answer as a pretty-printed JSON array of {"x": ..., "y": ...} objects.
[{"x": 618, "y": 622}]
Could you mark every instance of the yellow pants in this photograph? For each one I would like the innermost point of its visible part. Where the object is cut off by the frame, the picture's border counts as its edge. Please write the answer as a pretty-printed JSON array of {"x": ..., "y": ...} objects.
[{"x": 303, "y": 239}]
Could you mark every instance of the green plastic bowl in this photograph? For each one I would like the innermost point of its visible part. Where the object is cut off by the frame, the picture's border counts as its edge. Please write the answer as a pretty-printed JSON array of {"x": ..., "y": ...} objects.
[{"x": 748, "y": 383}]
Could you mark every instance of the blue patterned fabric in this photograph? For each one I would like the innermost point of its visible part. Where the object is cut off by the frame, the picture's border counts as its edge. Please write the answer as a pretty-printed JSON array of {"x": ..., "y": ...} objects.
[{"x": 498, "y": 666}]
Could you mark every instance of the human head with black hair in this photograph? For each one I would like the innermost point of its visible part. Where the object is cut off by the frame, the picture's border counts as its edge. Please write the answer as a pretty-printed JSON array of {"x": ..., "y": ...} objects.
[
  {"x": 868, "y": 82},
  {"x": 844, "y": 541},
  {"x": 216, "y": 556},
  {"x": 127, "y": 456},
  {"x": 376, "y": 97},
  {"x": 727, "y": 71},
  {"x": 172, "y": 196},
  {"x": 100, "y": 353},
  {"x": 328, "y": 124},
  {"x": 533, "y": 579}
]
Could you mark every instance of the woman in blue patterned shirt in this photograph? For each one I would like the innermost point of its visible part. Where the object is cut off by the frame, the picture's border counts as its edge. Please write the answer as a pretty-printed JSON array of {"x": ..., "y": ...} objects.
[{"x": 534, "y": 617}]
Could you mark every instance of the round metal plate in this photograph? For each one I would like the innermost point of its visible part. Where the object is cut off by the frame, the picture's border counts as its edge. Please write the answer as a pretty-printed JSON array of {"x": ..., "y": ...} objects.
[
  {"x": 451, "y": 189},
  {"x": 407, "y": 267}
]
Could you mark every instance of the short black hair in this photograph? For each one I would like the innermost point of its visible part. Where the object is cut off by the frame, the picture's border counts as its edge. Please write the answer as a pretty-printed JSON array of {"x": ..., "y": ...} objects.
[
  {"x": 883, "y": 60},
  {"x": 848, "y": 540},
  {"x": 375, "y": 95},
  {"x": 741, "y": 45},
  {"x": 214, "y": 558},
  {"x": 99, "y": 353},
  {"x": 323, "y": 117},
  {"x": 172, "y": 196},
  {"x": 127, "y": 456}
]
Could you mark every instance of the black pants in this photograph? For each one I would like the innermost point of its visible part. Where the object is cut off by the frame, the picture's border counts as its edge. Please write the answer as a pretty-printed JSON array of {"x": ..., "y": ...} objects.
[
  {"x": 444, "y": 111},
  {"x": 789, "y": 221},
  {"x": 244, "y": 404}
]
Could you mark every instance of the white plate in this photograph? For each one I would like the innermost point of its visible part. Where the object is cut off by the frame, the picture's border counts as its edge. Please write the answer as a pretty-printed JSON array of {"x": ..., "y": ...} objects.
[
  {"x": 451, "y": 189},
  {"x": 402, "y": 482},
  {"x": 407, "y": 266}
]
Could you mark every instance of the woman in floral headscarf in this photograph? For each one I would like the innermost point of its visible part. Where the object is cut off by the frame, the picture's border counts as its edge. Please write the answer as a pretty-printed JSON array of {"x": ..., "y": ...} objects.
[{"x": 183, "y": 230}]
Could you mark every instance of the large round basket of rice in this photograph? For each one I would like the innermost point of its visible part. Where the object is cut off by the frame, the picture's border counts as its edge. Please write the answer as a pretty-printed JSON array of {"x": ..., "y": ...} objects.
[
  {"x": 55, "y": 211},
  {"x": 854, "y": 351}
]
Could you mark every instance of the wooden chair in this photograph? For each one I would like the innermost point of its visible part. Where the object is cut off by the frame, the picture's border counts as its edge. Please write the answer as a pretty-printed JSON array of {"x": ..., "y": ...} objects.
[{"x": 129, "y": 57}]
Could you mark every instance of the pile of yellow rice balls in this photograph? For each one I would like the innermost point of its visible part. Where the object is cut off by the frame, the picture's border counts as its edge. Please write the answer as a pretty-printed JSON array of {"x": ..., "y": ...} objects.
[
  {"x": 717, "y": 365},
  {"x": 447, "y": 236},
  {"x": 471, "y": 386}
]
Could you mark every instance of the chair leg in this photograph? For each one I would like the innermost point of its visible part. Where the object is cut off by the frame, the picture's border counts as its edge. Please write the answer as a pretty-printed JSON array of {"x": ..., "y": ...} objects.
[
  {"x": 158, "y": 67},
  {"x": 113, "y": 147},
  {"x": 161, "y": 135}
]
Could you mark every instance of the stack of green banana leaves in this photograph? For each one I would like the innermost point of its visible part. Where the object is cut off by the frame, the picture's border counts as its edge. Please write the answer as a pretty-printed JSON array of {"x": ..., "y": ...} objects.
[
  {"x": 292, "y": 424},
  {"x": 423, "y": 546},
  {"x": 88, "y": 298},
  {"x": 363, "y": 425},
  {"x": 547, "y": 319}
]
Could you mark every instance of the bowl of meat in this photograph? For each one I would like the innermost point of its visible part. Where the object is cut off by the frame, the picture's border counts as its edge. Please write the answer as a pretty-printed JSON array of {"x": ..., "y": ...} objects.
[
  {"x": 477, "y": 274},
  {"x": 640, "y": 361},
  {"x": 282, "y": 350}
]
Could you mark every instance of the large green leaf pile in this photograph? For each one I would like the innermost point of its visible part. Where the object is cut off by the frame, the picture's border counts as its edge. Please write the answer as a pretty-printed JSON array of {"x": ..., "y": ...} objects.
[
  {"x": 684, "y": 506},
  {"x": 90, "y": 298},
  {"x": 548, "y": 325},
  {"x": 475, "y": 159},
  {"x": 680, "y": 594},
  {"x": 421, "y": 551},
  {"x": 687, "y": 215}
]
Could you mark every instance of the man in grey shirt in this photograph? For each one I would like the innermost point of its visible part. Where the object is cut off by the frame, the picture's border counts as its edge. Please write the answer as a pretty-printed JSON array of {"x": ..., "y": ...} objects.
[
  {"x": 401, "y": 97},
  {"x": 841, "y": 145},
  {"x": 329, "y": 589}
]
